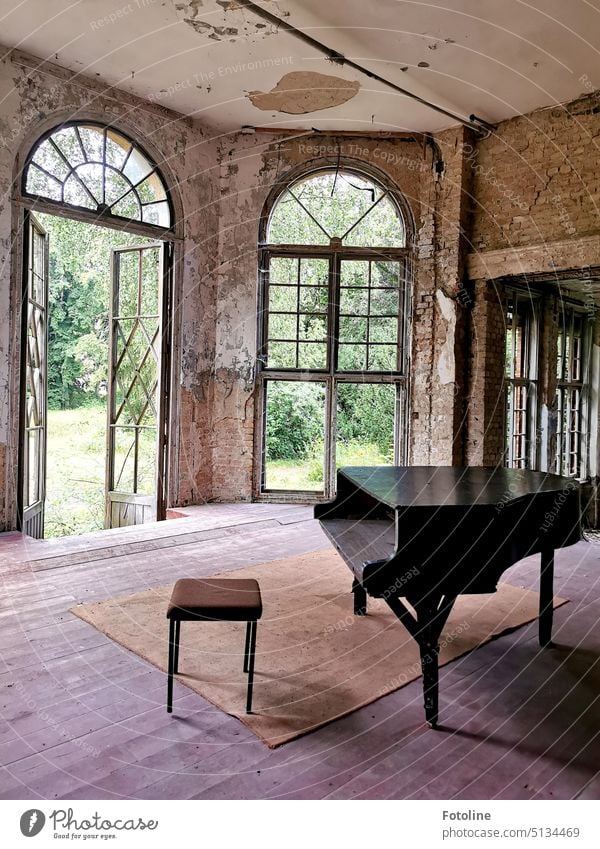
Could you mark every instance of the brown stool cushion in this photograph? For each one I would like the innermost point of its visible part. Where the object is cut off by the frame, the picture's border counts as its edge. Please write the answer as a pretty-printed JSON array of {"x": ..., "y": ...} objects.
[{"x": 233, "y": 599}]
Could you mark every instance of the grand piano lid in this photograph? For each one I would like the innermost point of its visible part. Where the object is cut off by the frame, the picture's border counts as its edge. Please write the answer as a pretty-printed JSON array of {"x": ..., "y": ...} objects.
[{"x": 453, "y": 486}]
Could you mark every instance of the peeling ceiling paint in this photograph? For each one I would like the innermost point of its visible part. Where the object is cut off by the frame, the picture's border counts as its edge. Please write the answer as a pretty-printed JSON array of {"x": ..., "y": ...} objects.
[
  {"x": 300, "y": 92},
  {"x": 225, "y": 19},
  {"x": 202, "y": 57}
]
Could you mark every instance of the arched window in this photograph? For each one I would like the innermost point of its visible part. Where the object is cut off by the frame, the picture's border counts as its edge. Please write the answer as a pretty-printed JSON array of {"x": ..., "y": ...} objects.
[
  {"x": 92, "y": 167},
  {"x": 334, "y": 330}
]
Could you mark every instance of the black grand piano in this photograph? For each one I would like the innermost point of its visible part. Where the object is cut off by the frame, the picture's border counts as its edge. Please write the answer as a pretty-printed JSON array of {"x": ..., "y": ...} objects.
[{"x": 426, "y": 534}]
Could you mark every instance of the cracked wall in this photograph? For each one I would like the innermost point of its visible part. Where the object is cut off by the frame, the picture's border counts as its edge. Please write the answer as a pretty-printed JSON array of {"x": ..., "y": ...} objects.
[
  {"x": 535, "y": 220},
  {"x": 250, "y": 167}
]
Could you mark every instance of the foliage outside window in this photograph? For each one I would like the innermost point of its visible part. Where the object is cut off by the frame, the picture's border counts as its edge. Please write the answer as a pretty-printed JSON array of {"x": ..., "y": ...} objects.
[
  {"x": 521, "y": 381},
  {"x": 333, "y": 329}
]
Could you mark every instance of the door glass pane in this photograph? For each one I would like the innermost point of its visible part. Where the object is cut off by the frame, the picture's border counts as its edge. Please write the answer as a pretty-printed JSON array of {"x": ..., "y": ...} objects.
[
  {"x": 365, "y": 415},
  {"x": 133, "y": 400},
  {"x": 129, "y": 280},
  {"x": 294, "y": 435},
  {"x": 124, "y": 459},
  {"x": 33, "y": 484}
]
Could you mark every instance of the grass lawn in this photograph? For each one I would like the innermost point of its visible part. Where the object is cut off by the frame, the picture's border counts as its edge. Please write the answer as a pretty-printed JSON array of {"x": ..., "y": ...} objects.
[
  {"x": 76, "y": 457},
  {"x": 307, "y": 474},
  {"x": 75, "y": 471}
]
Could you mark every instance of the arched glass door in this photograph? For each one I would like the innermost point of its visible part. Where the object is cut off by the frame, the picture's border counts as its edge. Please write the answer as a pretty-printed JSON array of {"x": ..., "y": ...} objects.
[
  {"x": 97, "y": 175},
  {"x": 34, "y": 401}
]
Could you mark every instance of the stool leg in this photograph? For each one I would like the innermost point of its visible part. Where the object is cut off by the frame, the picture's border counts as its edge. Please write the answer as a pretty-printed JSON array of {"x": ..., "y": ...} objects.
[
  {"x": 247, "y": 646},
  {"x": 171, "y": 666},
  {"x": 176, "y": 653},
  {"x": 251, "y": 656}
]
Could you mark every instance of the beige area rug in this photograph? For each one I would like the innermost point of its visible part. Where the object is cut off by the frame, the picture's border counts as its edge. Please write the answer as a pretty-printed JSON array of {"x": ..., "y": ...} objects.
[{"x": 315, "y": 660}]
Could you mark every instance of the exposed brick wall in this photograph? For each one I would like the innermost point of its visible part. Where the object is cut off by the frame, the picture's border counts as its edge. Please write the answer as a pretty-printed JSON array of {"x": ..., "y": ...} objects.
[
  {"x": 486, "y": 399},
  {"x": 535, "y": 219},
  {"x": 536, "y": 178}
]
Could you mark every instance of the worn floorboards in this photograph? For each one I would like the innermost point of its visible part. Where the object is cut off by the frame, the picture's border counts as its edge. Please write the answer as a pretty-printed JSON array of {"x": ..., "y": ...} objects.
[{"x": 80, "y": 717}]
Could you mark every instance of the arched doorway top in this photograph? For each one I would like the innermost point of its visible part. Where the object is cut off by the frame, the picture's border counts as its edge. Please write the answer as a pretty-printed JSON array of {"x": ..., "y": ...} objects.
[{"x": 99, "y": 172}]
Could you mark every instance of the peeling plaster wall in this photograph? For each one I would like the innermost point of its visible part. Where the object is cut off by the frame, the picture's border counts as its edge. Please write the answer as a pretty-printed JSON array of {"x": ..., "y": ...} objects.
[
  {"x": 485, "y": 414},
  {"x": 33, "y": 101},
  {"x": 250, "y": 166}
]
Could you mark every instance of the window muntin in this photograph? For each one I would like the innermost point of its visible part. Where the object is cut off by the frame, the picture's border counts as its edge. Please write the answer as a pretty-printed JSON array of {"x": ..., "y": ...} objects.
[
  {"x": 336, "y": 204},
  {"x": 298, "y": 307},
  {"x": 521, "y": 381},
  {"x": 571, "y": 373},
  {"x": 93, "y": 167},
  {"x": 369, "y": 315}
]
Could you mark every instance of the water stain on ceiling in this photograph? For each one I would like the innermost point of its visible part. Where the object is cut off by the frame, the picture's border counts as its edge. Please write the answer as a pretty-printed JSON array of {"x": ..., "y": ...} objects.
[{"x": 300, "y": 92}]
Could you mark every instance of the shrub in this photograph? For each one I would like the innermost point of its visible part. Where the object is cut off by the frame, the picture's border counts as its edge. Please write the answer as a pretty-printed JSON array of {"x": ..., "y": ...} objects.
[{"x": 294, "y": 419}]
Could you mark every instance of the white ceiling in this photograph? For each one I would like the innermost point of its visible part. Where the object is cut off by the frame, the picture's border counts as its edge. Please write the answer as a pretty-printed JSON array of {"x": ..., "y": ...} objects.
[{"x": 203, "y": 57}]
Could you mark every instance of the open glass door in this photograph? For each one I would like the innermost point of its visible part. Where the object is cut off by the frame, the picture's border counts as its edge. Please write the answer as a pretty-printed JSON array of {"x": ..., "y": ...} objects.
[
  {"x": 138, "y": 385},
  {"x": 33, "y": 399}
]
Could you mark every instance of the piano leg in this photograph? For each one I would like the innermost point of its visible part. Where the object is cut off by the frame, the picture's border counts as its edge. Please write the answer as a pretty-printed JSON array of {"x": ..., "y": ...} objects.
[
  {"x": 546, "y": 597},
  {"x": 360, "y": 599},
  {"x": 432, "y": 614},
  {"x": 429, "y": 665}
]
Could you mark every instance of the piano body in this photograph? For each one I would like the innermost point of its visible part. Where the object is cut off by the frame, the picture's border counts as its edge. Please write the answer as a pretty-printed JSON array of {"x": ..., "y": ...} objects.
[{"x": 426, "y": 534}]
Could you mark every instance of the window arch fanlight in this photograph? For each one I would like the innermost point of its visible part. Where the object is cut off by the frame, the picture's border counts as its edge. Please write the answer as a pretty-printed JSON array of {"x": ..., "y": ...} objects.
[
  {"x": 92, "y": 167},
  {"x": 336, "y": 204}
]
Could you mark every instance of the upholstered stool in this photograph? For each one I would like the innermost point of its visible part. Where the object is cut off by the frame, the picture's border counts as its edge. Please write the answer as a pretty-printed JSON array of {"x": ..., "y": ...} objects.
[{"x": 214, "y": 600}]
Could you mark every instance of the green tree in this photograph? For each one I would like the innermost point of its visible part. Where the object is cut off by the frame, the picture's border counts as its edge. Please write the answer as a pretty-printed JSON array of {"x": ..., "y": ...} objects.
[
  {"x": 294, "y": 419},
  {"x": 78, "y": 299}
]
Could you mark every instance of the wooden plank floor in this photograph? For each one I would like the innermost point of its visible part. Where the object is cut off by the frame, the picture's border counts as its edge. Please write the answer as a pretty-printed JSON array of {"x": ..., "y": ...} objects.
[{"x": 80, "y": 717}]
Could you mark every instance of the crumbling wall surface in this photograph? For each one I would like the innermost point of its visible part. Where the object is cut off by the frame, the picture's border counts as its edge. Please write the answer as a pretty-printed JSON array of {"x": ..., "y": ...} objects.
[
  {"x": 34, "y": 99},
  {"x": 536, "y": 178},
  {"x": 484, "y": 443},
  {"x": 531, "y": 184},
  {"x": 251, "y": 165},
  {"x": 535, "y": 221},
  {"x": 442, "y": 273}
]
